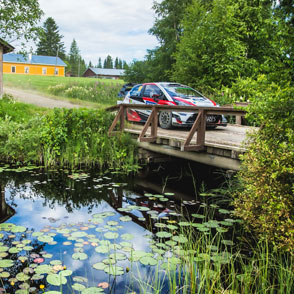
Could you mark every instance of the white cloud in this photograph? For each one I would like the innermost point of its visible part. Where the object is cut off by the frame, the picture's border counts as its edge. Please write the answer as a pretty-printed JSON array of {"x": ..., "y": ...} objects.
[{"x": 102, "y": 27}]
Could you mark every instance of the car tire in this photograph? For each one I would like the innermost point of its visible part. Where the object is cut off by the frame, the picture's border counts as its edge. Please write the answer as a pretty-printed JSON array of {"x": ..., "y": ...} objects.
[{"x": 165, "y": 119}]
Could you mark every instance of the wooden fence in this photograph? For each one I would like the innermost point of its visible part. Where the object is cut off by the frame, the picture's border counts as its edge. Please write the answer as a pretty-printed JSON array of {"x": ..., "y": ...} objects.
[{"x": 199, "y": 125}]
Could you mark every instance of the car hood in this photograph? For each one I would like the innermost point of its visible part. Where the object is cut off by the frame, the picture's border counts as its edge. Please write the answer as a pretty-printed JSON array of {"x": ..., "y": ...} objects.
[{"x": 199, "y": 101}]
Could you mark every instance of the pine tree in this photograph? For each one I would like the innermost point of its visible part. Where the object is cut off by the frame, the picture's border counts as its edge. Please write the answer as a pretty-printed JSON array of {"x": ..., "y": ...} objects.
[
  {"x": 90, "y": 64},
  {"x": 108, "y": 62},
  {"x": 50, "y": 43},
  {"x": 99, "y": 63},
  {"x": 116, "y": 64},
  {"x": 74, "y": 58}
]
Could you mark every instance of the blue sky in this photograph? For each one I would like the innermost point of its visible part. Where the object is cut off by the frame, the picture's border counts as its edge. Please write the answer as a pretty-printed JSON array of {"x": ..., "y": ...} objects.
[{"x": 102, "y": 27}]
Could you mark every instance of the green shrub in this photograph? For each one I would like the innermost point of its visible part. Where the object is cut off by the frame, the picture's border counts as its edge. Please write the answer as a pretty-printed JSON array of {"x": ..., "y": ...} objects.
[
  {"x": 266, "y": 197},
  {"x": 62, "y": 137}
]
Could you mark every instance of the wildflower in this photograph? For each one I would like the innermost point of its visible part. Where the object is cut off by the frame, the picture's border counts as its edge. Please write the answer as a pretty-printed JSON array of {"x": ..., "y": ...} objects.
[
  {"x": 42, "y": 286},
  {"x": 12, "y": 283},
  {"x": 64, "y": 267}
]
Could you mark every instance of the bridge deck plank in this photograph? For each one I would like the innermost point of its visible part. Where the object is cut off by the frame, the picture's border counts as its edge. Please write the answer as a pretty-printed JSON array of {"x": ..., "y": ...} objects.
[{"x": 232, "y": 137}]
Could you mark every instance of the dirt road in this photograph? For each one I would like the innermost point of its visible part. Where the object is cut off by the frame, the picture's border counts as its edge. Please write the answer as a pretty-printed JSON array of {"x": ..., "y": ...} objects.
[{"x": 38, "y": 99}]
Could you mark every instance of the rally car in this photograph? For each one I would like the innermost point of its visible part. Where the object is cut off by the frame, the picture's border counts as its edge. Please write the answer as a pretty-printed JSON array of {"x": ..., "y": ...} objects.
[{"x": 165, "y": 93}]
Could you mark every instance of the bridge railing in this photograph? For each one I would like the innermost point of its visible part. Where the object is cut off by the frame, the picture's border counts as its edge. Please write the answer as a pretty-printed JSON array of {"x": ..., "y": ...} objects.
[{"x": 199, "y": 125}]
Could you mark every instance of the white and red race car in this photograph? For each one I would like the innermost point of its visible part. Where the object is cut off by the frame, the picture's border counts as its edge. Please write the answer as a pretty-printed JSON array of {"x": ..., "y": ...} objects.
[{"x": 166, "y": 93}]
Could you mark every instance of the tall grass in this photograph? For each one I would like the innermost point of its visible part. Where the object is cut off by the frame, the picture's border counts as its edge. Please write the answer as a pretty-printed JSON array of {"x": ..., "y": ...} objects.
[
  {"x": 102, "y": 91},
  {"x": 61, "y": 137},
  {"x": 220, "y": 261}
]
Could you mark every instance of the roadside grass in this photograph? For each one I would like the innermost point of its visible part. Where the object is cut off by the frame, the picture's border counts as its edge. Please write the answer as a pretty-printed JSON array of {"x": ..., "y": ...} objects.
[
  {"x": 70, "y": 138},
  {"x": 101, "y": 91}
]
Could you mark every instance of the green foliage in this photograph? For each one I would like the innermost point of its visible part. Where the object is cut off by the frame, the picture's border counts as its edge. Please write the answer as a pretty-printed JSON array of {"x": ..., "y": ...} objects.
[
  {"x": 71, "y": 138},
  {"x": 50, "y": 43},
  {"x": 108, "y": 62},
  {"x": 77, "y": 65},
  {"x": 98, "y": 91},
  {"x": 94, "y": 90},
  {"x": 19, "y": 19},
  {"x": 266, "y": 197}
]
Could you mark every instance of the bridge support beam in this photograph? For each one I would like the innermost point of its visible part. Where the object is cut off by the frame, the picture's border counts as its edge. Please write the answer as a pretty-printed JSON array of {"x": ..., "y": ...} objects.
[{"x": 201, "y": 157}]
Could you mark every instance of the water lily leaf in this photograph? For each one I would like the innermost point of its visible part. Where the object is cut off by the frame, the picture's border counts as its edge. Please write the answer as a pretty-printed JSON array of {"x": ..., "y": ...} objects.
[
  {"x": 6, "y": 263},
  {"x": 224, "y": 223},
  {"x": 37, "y": 277},
  {"x": 53, "y": 292},
  {"x": 163, "y": 234},
  {"x": 136, "y": 255},
  {"x": 4, "y": 248},
  {"x": 170, "y": 243},
  {"x": 28, "y": 248},
  {"x": 221, "y": 230},
  {"x": 92, "y": 290},
  {"x": 78, "y": 287},
  {"x": 111, "y": 235},
  {"x": 148, "y": 260},
  {"x": 65, "y": 273},
  {"x": 22, "y": 277},
  {"x": 18, "y": 229},
  {"x": 224, "y": 211},
  {"x": 102, "y": 249},
  {"x": 43, "y": 269},
  {"x": 160, "y": 225},
  {"x": 56, "y": 279},
  {"x": 4, "y": 275},
  {"x": 184, "y": 224},
  {"x": 112, "y": 223},
  {"x": 79, "y": 234},
  {"x": 79, "y": 256},
  {"x": 114, "y": 270},
  {"x": 127, "y": 237},
  {"x": 172, "y": 227},
  {"x": 125, "y": 218},
  {"x": 118, "y": 256},
  {"x": 56, "y": 262},
  {"x": 109, "y": 261},
  {"x": 99, "y": 266},
  {"x": 80, "y": 279},
  {"x": 143, "y": 208},
  {"x": 45, "y": 239},
  {"x": 169, "y": 194},
  {"x": 180, "y": 239},
  {"x": 196, "y": 215}
]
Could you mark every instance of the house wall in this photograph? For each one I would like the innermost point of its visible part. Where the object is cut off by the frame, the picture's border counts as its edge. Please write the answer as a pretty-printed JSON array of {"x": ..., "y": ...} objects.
[
  {"x": 34, "y": 69},
  {"x": 1, "y": 71}
]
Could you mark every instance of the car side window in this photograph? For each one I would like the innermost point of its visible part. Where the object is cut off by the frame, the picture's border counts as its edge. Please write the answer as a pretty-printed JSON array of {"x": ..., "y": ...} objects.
[
  {"x": 152, "y": 91},
  {"x": 135, "y": 92}
]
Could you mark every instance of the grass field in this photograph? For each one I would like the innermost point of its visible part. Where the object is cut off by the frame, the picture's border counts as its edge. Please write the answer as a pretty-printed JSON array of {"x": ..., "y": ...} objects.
[{"x": 101, "y": 91}]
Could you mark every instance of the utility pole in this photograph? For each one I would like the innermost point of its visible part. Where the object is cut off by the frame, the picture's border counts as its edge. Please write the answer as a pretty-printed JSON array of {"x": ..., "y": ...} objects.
[{"x": 56, "y": 60}]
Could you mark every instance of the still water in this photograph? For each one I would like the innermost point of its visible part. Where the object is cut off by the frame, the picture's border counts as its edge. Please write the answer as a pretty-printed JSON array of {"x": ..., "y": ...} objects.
[{"x": 76, "y": 232}]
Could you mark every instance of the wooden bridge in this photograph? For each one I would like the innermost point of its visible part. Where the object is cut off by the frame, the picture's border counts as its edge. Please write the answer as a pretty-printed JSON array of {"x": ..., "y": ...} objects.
[{"x": 219, "y": 147}]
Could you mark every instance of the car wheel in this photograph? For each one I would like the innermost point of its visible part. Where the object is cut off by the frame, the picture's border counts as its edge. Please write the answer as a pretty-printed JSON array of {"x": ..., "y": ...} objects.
[{"x": 165, "y": 119}]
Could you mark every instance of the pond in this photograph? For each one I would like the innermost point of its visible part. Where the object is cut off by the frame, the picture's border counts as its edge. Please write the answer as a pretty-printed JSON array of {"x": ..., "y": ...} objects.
[{"x": 77, "y": 232}]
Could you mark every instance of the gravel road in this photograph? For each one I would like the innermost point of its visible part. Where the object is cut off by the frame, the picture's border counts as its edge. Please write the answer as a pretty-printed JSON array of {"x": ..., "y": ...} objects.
[{"x": 40, "y": 100}]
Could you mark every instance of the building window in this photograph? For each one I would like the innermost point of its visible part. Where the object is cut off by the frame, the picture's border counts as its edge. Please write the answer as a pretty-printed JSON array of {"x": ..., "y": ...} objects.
[
  {"x": 27, "y": 70},
  {"x": 56, "y": 71},
  {"x": 13, "y": 69},
  {"x": 44, "y": 70}
]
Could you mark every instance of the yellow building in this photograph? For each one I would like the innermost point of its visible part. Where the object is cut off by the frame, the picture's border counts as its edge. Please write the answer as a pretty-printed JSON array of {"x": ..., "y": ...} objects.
[{"x": 33, "y": 65}]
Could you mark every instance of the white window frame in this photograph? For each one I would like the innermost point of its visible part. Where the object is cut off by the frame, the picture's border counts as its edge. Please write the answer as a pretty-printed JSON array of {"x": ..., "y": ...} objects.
[
  {"x": 13, "y": 68},
  {"x": 27, "y": 70},
  {"x": 44, "y": 70},
  {"x": 56, "y": 72}
]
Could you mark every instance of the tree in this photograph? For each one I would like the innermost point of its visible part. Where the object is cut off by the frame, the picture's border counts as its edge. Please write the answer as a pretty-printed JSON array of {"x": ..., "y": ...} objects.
[
  {"x": 74, "y": 58},
  {"x": 108, "y": 62},
  {"x": 116, "y": 63},
  {"x": 167, "y": 29},
  {"x": 19, "y": 19},
  {"x": 99, "y": 63},
  {"x": 50, "y": 43},
  {"x": 90, "y": 64},
  {"x": 137, "y": 72}
]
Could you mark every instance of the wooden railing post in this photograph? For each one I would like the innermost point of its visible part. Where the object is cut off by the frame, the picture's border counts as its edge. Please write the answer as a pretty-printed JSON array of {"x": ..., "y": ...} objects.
[
  {"x": 122, "y": 118},
  {"x": 153, "y": 121},
  {"x": 119, "y": 115}
]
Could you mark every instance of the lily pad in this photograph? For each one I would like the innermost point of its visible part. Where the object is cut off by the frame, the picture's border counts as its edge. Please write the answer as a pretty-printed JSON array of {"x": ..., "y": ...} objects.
[
  {"x": 22, "y": 277},
  {"x": 148, "y": 260},
  {"x": 111, "y": 235},
  {"x": 78, "y": 287},
  {"x": 163, "y": 234},
  {"x": 114, "y": 270},
  {"x": 56, "y": 279},
  {"x": 127, "y": 237},
  {"x": 6, "y": 263},
  {"x": 79, "y": 256},
  {"x": 92, "y": 290}
]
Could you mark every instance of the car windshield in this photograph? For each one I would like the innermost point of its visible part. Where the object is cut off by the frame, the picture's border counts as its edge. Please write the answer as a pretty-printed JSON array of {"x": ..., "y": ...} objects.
[{"x": 176, "y": 90}]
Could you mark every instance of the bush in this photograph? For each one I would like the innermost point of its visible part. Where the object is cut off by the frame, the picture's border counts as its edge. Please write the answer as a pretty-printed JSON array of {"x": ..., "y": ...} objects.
[{"x": 266, "y": 197}]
